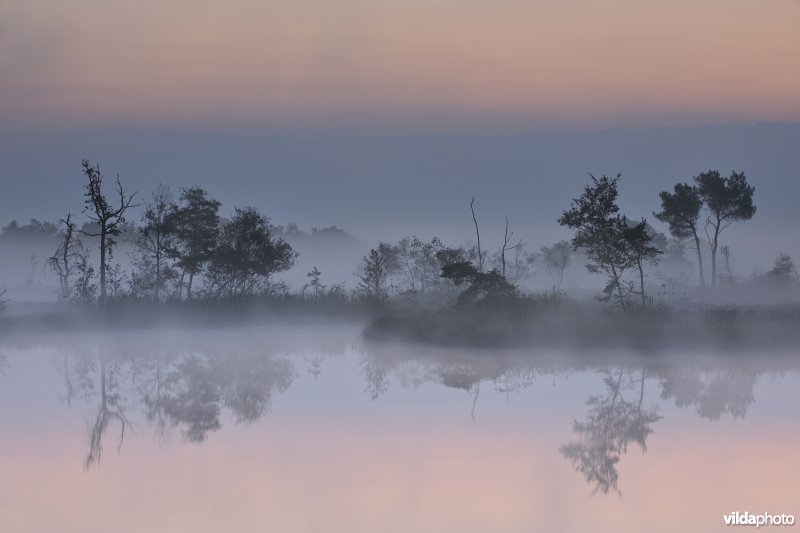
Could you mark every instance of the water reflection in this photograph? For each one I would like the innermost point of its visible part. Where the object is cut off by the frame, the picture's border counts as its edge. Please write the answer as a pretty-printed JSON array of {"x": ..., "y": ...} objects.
[
  {"x": 614, "y": 419},
  {"x": 611, "y": 423},
  {"x": 713, "y": 393},
  {"x": 187, "y": 391},
  {"x": 184, "y": 391}
]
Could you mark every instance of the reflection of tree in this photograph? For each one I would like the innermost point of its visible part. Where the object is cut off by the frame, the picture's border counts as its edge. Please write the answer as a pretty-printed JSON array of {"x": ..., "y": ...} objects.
[
  {"x": 110, "y": 409},
  {"x": 89, "y": 376},
  {"x": 190, "y": 392},
  {"x": 713, "y": 393},
  {"x": 463, "y": 373},
  {"x": 248, "y": 384},
  {"x": 177, "y": 391},
  {"x": 611, "y": 424},
  {"x": 376, "y": 374},
  {"x": 192, "y": 399}
]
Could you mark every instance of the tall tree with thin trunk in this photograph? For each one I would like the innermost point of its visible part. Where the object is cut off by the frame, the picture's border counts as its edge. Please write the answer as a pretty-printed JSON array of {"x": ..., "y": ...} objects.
[
  {"x": 728, "y": 200},
  {"x": 641, "y": 249},
  {"x": 156, "y": 236},
  {"x": 681, "y": 210},
  {"x": 108, "y": 217}
]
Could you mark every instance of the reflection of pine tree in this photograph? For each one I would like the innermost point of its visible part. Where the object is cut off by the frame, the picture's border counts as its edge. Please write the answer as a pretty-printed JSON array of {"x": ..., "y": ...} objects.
[
  {"x": 712, "y": 393},
  {"x": 611, "y": 424},
  {"x": 377, "y": 377}
]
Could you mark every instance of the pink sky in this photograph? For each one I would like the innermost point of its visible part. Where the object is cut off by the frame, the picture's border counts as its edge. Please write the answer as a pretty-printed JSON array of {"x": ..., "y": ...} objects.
[{"x": 400, "y": 64}]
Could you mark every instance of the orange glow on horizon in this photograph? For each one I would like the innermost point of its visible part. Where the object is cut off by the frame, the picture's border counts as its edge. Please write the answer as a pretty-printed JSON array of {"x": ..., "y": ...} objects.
[{"x": 573, "y": 63}]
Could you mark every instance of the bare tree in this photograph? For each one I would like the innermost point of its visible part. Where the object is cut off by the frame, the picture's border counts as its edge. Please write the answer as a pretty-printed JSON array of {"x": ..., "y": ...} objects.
[
  {"x": 107, "y": 218},
  {"x": 478, "y": 232},
  {"x": 505, "y": 247},
  {"x": 66, "y": 255}
]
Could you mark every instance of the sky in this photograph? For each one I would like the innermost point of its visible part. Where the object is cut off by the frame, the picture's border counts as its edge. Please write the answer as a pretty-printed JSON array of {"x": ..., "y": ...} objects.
[
  {"x": 386, "y": 116},
  {"x": 399, "y": 66}
]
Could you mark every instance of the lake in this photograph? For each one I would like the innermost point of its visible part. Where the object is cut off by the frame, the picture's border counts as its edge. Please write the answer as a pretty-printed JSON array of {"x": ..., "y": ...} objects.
[{"x": 308, "y": 428}]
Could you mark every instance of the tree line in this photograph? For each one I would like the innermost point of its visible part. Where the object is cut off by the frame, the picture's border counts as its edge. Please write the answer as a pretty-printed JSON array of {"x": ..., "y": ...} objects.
[
  {"x": 181, "y": 238},
  {"x": 178, "y": 240}
]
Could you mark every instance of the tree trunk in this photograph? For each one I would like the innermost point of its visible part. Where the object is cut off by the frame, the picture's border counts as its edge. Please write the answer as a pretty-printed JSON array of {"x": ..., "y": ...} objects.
[
  {"x": 102, "y": 267},
  {"x": 180, "y": 284},
  {"x": 189, "y": 286},
  {"x": 714, "y": 244},
  {"x": 619, "y": 288},
  {"x": 65, "y": 274},
  {"x": 699, "y": 258},
  {"x": 714, "y": 261},
  {"x": 478, "y": 232},
  {"x": 641, "y": 280},
  {"x": 158, "y": 273}
]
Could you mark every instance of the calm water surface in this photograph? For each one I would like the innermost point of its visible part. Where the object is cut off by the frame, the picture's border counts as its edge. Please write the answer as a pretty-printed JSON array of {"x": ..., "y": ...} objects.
[{"x": 311, "y": 429}]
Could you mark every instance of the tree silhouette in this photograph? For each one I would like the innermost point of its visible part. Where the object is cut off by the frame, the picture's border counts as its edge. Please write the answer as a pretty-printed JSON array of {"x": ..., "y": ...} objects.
[
  {"x": 247, "y": 255},
  {"x": 728, "y": 200},
  {"x": 783, "y": 270},
  {"x": 156, "y": 238},
  {"x": 600, "y": 232},
  {"x": 485, "y": 288},
  {"x": 108, "y": 218},
  {"x": 639, "y": 239},
  {"x": 196, "y": 225},
  {"x": 681, "y": 210},
  {"x": 63, "y": 261},
  {"x": 374, "y": 272}
]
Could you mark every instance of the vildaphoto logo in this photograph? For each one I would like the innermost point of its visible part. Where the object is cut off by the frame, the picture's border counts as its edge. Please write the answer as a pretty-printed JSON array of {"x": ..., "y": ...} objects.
[{"x": 746, "y": 519}]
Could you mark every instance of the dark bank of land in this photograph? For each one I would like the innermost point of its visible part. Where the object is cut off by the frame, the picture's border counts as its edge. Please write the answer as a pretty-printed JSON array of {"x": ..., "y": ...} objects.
[{"x": 550, "y": 321}]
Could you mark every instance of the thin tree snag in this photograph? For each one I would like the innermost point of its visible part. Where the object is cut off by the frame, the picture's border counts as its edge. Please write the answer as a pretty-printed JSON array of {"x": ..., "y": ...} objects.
[{"x": 478, "y": 232}]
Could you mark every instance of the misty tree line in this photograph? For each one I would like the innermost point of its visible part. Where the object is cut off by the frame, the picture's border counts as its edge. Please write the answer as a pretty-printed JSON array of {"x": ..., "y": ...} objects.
[
  {"x": 184, "y": 249},
  {"x": 179, "y": 239},
  {"x": 614, "y": 245}
]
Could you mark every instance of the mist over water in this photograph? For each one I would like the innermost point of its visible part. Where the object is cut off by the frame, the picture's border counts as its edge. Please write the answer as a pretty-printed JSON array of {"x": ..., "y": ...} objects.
[
  {"x": 299, "y": 428},
  {"x": 398, "y": 266}
]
